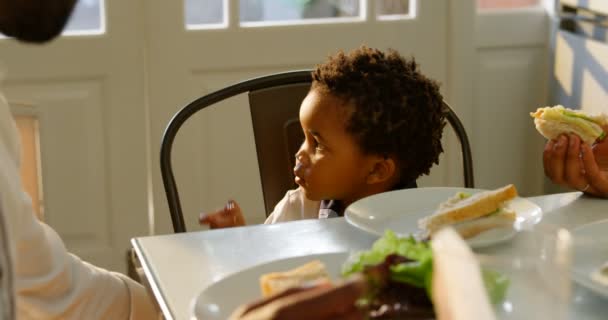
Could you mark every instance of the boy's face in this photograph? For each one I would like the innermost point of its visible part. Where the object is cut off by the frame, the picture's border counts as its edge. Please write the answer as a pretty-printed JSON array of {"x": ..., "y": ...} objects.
[{"x": 330, "y": 164}]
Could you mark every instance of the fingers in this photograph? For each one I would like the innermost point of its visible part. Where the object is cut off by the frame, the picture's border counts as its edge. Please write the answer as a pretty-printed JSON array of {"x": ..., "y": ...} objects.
[
  {"x": 554, "y": 159},
  {"x": 228, "y": 216},
  {"x": 600, "y": 151},
  {"x": 547, "y": 155},
  {"x": 236, "y": 211},
  {"x": 573, "y": 167},
  {"x": 211, "y": 218},
  {"x": 598, "y": 180},
  {"x": 565, "y": 165}
]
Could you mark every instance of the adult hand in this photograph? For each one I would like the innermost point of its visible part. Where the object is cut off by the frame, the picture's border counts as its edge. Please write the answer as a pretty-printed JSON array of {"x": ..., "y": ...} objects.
[{"x": 570, "y": 162}]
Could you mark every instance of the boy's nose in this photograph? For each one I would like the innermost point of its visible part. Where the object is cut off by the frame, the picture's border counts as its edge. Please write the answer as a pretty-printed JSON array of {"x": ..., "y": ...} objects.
[
  {"x": 300, "y": 162},
  {"x": 300, "y": 155}
]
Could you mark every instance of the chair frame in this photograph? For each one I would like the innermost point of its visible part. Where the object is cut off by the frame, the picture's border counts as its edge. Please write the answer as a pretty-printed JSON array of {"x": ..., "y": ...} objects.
[{"x": 278, "y": 79}]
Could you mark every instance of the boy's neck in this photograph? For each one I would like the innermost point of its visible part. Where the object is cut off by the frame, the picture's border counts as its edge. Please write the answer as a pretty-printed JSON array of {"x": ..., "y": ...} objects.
[{"x": 379, "y": 188}]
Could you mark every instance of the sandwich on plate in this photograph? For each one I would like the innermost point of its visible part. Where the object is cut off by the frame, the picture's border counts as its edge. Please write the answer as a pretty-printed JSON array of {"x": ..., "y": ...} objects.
[
  {"x": 409, "y": 279},
  {"x": 551, "y": 122},
  {"x": 472, "y": 214},
  {"x": 275, "y": 282}
]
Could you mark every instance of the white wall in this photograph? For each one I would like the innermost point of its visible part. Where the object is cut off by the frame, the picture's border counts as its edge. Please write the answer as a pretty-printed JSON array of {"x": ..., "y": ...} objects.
[
  {"x": 511, "y": 77},
  {"x": 579, "y": 66}
]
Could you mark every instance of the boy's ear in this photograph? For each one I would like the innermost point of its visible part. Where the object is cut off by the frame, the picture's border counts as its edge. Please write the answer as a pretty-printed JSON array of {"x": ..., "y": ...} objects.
[{"x": 383, "y": 169}]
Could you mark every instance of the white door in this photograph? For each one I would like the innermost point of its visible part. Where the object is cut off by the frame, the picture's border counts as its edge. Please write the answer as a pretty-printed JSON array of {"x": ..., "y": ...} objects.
[
  {"x": 85, "y": 91},
  {"x": 214, "y": 155},
  {"x": 102, "y": 97},
  {"x": 511, "y": 80}
]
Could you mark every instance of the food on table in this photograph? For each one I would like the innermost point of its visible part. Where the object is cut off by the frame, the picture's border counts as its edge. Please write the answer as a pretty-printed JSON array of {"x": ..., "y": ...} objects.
[
  {"x": 401, "y": 282},
  {"x": 400, "y": 273},
  {"x": 473, "y": 214},
  {"x": 401, "y": 270},
  {"x": 458, "y": 283},
  {"x": 551, "y": 122},
  {"x": 601, "y": 274},
  {"x": 275, "y": 282}
]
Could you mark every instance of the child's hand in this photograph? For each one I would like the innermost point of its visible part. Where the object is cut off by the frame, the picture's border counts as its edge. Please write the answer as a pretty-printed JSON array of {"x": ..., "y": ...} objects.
[{"x": 229, "y": 216}]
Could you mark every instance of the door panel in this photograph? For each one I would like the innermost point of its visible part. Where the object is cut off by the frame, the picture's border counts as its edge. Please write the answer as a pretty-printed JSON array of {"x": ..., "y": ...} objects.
[
  {"x": 87, "y": 93},
  {"x": 215, "y": 159}
]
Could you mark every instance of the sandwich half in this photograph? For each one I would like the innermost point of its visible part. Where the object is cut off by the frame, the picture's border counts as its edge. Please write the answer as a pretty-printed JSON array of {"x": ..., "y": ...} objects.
[
  {"x": 459, "y": 288},
  {"x": 554, "y": 121},
  {"x": 471, "y": 215},
  {"x": 272, "y": 283}
]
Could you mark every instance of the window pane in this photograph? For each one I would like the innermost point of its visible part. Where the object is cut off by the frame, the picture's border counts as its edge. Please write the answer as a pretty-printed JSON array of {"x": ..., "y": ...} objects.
[
  {"x": 88, "y": 18},
  {"x": 204, "y": 12},
  {"x": 387, "y": 8},
  {"x": 506, "y": 4},
  {"x": 297, "y": 10}
]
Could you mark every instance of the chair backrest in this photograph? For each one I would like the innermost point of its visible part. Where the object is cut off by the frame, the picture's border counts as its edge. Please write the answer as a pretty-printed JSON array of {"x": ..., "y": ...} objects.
[
  {"x": 274, "y": 102},
  {"x": 278, "y": 135}
]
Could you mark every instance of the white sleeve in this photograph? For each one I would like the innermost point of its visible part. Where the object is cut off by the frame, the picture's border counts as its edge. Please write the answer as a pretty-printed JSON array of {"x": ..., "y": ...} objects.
[
  {"x": 51, "y": 283},
  {"x": 294, "y": 206}
]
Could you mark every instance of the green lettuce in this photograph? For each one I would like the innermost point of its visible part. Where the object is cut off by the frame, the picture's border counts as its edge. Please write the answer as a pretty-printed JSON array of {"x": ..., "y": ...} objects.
[
  {"x": 580, "y": 115},
  {"x": 590, "y": 125},
  {"x": 419, "y": 272},
  {"x": 496, "y": 285}
]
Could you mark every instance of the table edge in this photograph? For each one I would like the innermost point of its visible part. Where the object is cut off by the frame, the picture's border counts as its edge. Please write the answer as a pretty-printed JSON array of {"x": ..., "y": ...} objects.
[{"x": 158, "y": 294}]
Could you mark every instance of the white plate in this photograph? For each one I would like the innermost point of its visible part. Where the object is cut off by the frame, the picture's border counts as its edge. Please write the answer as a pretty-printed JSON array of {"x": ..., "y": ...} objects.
[
  {"x": 400, "y": 211},
  {"x": 220, "y": 299},
  {"x": 590, "y": 253}
]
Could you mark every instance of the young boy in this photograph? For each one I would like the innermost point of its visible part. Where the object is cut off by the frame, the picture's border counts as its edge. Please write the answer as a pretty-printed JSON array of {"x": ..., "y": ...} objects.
[{"x": 372, "y": 123}]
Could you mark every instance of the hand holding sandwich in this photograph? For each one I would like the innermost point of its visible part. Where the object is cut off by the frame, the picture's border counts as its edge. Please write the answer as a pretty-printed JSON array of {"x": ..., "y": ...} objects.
[
  {"x": 576, "y": 155},
  {"x": 570, "y": 162}
]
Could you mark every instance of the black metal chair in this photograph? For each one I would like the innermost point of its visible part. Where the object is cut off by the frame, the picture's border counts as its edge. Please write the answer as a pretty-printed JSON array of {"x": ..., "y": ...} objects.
[{"x": 274, "y": 102}]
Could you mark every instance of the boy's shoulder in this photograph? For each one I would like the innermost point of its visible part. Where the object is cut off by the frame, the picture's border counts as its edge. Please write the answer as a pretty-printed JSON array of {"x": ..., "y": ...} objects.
[
  {"x": 294, "y": 206},
  {"x": 296, "y": 199}
]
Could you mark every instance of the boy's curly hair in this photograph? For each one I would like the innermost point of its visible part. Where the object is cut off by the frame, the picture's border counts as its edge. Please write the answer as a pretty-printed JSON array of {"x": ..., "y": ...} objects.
[{"x": 397, "y": 110}]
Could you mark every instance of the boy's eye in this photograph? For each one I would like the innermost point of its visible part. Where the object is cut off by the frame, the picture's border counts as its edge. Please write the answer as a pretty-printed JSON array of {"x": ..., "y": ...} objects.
[{"x": 317, "y": 145}]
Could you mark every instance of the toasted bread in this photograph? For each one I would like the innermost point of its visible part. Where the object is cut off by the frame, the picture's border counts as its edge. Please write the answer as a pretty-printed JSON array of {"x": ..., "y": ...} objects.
[
  {"x": 476, "y": 206},
  {"x": 458, "y": 288},
  {"x": 472, "y": 228},
  {"x": 551, "y": 122},
  {"x": 272, "y": 283}
]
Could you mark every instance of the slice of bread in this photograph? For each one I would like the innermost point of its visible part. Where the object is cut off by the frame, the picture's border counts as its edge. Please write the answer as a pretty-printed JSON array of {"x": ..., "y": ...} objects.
[
  {"x": 272, "y": 283},
  {"x": 472, "y": 228},
  {"x": 458, "y": 288},
  {"x": 473, "y": 207},
  {"x": 551, "y": 122},
  {"x": 553, "y": 129}
]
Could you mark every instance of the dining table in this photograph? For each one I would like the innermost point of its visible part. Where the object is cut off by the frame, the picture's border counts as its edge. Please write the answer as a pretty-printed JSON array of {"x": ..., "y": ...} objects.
[{"x": 179, "y": 266}]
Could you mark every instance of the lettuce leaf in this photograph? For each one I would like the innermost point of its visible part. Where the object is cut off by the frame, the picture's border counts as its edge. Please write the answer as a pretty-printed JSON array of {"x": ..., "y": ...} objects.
[
  {"x": 419, "y": 272},
  {"x": 496, "y": 285},
  {"x": 389, "y": 244}
]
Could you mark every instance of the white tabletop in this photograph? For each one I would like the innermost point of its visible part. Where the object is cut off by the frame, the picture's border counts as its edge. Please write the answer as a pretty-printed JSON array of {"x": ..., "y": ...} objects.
[{"x": 179, "y": 266}]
